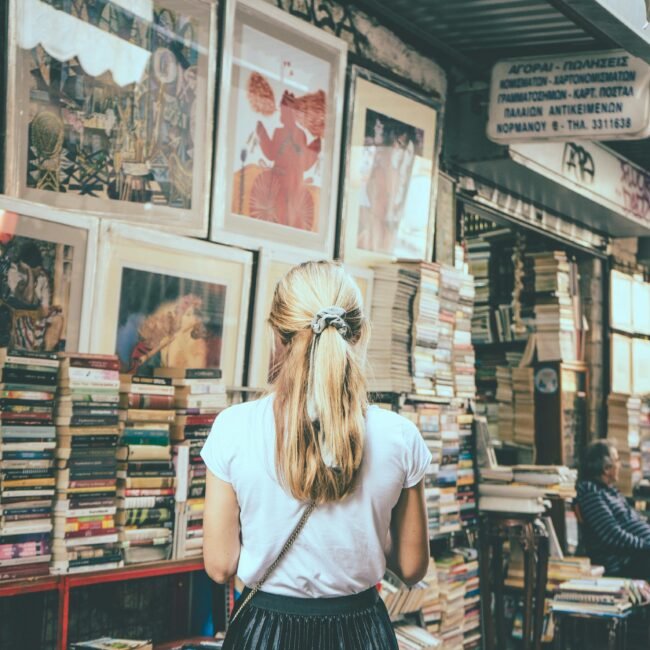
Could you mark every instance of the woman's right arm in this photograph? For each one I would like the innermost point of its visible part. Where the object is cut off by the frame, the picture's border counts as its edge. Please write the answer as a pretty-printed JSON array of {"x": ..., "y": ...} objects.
[{"x": 409, "y": 529}]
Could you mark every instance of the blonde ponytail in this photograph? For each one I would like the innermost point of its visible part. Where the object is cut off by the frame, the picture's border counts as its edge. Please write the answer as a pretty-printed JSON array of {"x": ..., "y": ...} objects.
[{"x": 320, "y": 387}]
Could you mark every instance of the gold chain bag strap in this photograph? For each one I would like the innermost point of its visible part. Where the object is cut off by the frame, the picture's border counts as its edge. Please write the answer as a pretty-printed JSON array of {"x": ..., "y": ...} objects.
[{"x": 287, "y": 545}]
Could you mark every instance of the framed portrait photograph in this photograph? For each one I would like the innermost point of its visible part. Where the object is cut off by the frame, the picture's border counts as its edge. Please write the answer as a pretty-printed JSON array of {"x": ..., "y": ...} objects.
[
  {"x": 110, "y": 108},
  {"x": 273, "y": 264},
  {"x": 621, "y": 364},
  {"x": 170, "y": 301},
  {"x": 388, "y": 206},
  {"x": 279, "y": 133},
  {"x": 47, "y": 266}
]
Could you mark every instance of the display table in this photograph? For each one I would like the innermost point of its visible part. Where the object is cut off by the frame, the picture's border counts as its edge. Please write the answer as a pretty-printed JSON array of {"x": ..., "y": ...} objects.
[{"x": 530, "y": 533}]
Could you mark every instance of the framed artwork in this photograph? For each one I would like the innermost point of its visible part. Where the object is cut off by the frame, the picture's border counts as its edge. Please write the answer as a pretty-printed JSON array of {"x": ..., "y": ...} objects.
[
  {"x": 641, "y": 308},
  {"x": 110, "y": 108},
  {"x": 620, "y": 301},
  {"x": 170, "y": 301},
  {"x": 621, "y": 364},
  {"x": 282, "y": 90},
  {"x": 272, "y": 266},
  {"x": 388, "y": 209},
  {"x": 640, "y": 366},
  {"x": 47, "y": 266}
]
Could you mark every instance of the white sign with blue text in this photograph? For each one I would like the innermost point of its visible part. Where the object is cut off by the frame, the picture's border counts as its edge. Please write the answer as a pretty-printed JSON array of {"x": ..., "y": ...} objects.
[{"x": 594, "y": 96}]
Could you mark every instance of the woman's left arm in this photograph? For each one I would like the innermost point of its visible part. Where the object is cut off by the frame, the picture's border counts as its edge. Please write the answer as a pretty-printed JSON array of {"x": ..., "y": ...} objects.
[{"x": 221, "y": 540}]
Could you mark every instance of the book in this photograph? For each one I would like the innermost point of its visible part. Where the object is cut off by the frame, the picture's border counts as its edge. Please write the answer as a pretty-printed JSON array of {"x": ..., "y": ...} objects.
[
  {"x": 188, "y": 373},
  {"x": 110, "y": 643}
]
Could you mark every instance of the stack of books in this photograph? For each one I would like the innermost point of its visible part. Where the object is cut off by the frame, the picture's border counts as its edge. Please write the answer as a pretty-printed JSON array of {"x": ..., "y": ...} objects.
[
  {"x": 146, "y": 478},
  {"x": 478, "y": 260},
  {"x": 451, "y": 581},
  {"x": 523, "y": 488},
  {"x": 450, "y": 282},
  {"x": 560, "y": 570},
  {"x": 644, "y": 436},
  {"x": 505, "y": 400},
  {"x": 401, "y": 599},
  {"x": 624, "y": 429},
  {"x": 431, "y": 607},
  {"x": 523, "y": 390},
  {"x": 389, "y": 353},
  {"x": 87, "y": 428},
  {"x": 426, "y": 314},
  {"x": 556, "y": 303},
  {"x": 200, "y": 396},
  {"x": 600, "y": 596},
  {"x": 27, "y": 440},
  {"x": 472, "y": 600},
  {"x": 427, "y": 419},
  {"x": 463, "y": 356},
  {"x": 448, "y": 474},
  {"x": 465, "y": 483},
  {"x": 412, "y": 637}
]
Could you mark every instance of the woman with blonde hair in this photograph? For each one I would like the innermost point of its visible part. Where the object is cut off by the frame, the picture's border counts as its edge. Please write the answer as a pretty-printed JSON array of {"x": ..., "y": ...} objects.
[{"x": 311, "y": 493}]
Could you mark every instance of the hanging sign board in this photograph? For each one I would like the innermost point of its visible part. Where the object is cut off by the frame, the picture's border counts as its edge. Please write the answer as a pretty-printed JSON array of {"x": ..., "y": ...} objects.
[{"x": 593, "y": 96}]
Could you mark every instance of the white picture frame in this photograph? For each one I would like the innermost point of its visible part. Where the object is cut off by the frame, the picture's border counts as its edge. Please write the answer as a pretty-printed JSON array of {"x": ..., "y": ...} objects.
[
  {"x": 162, "y": 174},
  {"x": 254, "y": 200},
  {"x": 181, "y": 270},
  {"x": 272, "y": 265},
  {"x": 19, "y": 218}
]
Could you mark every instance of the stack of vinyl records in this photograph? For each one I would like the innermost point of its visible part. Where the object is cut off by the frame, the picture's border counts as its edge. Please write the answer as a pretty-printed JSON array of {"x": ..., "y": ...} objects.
[
  {"x": 466, "y": 484},
  {"x": 85, "y": 533},
  {"x": 463, "y": 352},
  {"x": 556, "y": 305},
  {"x": 623, "y": 428},
  {"x": 478, "y": 259},
  {"x": 200, "y": 395},
  {"x": 146, "y": 478},
  {"x": 27, "y": 440},
  {"x": 448, "y": 474},
  {"x": 523, "y": 389},
  {"x": 389, "y": 353},
  {"x": 426, "y": 312},
  {"x": 451, "y": 582},
  {"x": 450, "y": 281},
  {"x": 428, "y": 422}
]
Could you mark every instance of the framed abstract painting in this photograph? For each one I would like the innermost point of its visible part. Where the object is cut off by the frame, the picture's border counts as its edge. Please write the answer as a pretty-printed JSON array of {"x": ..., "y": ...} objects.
[
  {"x": 388, "y": 206},
  {"x": 110, "y": 108},
  {"x": 272, "y": 265},
  {"x": 279, "y": 133},
  {"x": 47, "y": 266},
  {"x": 170, "y": 301}
]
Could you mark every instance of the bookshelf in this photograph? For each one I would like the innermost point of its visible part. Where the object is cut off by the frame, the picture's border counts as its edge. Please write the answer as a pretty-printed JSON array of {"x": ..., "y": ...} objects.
[{"x": 64, "y": 584}]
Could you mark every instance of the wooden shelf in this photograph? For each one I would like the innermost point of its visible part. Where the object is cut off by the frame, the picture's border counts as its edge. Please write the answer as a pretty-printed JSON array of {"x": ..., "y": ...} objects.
[{"x": 63, "y": 584}]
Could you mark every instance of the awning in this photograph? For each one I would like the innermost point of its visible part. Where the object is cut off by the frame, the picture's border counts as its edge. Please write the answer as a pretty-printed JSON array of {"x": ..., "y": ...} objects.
[{"x": 585, "y": 182}]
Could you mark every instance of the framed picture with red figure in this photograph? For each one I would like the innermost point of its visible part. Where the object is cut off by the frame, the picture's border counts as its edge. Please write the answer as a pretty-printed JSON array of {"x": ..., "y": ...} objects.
[{"x": 279, "y": 132}]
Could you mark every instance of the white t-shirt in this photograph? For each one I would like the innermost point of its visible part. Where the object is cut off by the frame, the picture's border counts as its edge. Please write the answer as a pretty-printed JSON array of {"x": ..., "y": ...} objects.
[{"x": 341, "y": 550}]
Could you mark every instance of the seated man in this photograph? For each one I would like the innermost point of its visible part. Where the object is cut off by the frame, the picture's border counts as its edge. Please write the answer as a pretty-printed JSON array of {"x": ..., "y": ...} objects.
[{"x": 615, "y": 535}]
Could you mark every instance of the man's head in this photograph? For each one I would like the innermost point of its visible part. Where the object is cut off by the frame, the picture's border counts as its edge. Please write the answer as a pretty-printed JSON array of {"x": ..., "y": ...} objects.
[{"x": 601, "y": 462}]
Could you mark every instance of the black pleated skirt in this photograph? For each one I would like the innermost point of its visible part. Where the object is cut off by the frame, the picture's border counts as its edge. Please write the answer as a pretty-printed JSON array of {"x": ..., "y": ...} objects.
[{"x": 273, "y": 622}]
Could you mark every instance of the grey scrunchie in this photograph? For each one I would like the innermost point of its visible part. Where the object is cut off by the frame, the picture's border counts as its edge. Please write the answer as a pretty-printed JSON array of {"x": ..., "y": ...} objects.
[{"x": 331, "y": 316}]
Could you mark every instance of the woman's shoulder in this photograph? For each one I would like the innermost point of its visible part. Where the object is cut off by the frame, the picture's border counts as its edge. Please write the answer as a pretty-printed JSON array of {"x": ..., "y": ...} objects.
[
  {"x": 245, "y": 410},
  {"x": 384, "y": 421}
]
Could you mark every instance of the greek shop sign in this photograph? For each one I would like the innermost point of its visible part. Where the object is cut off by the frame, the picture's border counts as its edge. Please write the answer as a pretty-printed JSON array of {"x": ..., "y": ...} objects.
[{"x": 593, "y": 96}]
